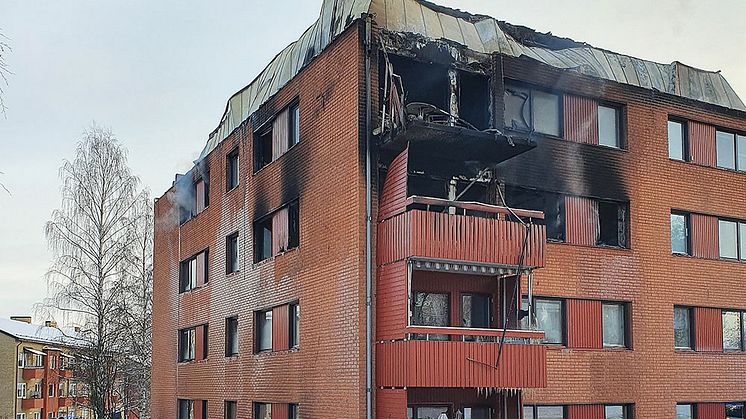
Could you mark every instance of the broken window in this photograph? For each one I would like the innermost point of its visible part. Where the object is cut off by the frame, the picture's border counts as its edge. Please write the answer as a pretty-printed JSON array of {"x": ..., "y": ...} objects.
[
  {"x": 264, "y": 331},
  {"x": 231, "y": 336},
  {"x": 263, "y": 239},
  {"x": 476, "y": 310},
  {"x": 231, "y": 170},
  {"x": 680, "y": 233},
  {"x": 677, "y": 144},
  {"x": 422, "y": 82},
  {"x": 551, "y": 204},
  {"x": 186, "y": 409},
  {"x": 430, "y": 309},
  {"x": 734, "y": 410},
  {"x": 614, "y": 321},
  {"x": 186, "y": 344},
  {"x": 609, "y": 126},
  {"x": 726, "y": 150},
  {"x": 231, "y": 253},
  {"x": 529, "y": 109},
  {"x": 732, "y": 331},
  {"x": 612, "y": 224}
]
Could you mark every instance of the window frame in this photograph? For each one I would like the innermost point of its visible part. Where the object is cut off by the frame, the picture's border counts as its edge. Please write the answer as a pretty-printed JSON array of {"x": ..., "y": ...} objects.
[
  {"x": 293, "y": 128},
  {"x": 742, "y": 404},
  {"x": 231, "y": 335},
  {"x": 258, "y": 405},
  {"x": 232, "y": 164},
  {"x": 294, "y": 325},
  {"x": 490, "y": 308},
  {"x": 187, "y": 263},
  {"x": 232, "y": 248},
  {"x": 625, "y": 325},
  {"x": 230, "y": 406},
  {"x": 620, "y": 206},
  {"x": 190, "y": 408},
  {"x": 687, "y": 230},
  {"x": 563, "y": 318},
  {"x": 741, "y": 314},
  {"x": 685, "y": 153},
  {"x": 690, "y": 315},
  {"x": 535, "y": 409},
  {"x": 260, "y": 319},
  {"x": 259, "y": 243},
  {"x": 191, "y": 335},
  {"x": 532, "y": 123},
  {"x": 692, "y": 409},
  {"x": 734, "y": 148},
  {"x": 739, "y": 239},
  {"x": 620, "y": 128}
]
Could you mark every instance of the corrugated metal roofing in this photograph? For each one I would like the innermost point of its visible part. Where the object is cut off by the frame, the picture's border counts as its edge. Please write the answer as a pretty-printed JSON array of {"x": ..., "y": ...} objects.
[{"x": 478, "y": 33}]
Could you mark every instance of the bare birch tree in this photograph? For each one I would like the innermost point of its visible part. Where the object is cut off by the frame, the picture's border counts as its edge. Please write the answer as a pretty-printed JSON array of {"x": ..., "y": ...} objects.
[
  {"x": 137, "y": 310},
  {"x": 4, "y": 70},
  {"x": 91, "y": 236}
]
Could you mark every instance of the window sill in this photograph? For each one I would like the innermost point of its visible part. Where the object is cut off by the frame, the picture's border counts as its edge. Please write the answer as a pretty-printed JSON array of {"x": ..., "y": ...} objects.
[
  {"x": 232, "y": 274},
  {"x": 724, "y": 169},
  {"x": 685, "y": 350},
  {"x": 602, "y": 247},
  {"x": 271, "y": 258},
  {"x": 235, "y": 188}
]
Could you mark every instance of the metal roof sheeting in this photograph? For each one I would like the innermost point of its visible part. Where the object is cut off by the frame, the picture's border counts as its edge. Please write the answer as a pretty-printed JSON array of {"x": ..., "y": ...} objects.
[{"x": 478, "y": 33}]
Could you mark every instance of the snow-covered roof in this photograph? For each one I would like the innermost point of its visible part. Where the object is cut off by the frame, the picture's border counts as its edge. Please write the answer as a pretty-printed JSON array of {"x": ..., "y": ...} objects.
[{"x": 36, "y": 333}]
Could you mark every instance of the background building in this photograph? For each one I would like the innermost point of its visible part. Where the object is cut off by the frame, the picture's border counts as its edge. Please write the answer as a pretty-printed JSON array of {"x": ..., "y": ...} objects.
[
  {"x": 556, "y": 231},
  {"x": 36, "y": 372}
]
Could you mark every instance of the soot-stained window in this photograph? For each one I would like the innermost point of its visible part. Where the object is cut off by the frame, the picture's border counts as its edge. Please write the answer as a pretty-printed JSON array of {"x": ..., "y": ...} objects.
[
  {"x": 528, "y": 109},
  {"x": 552, "y": 204},
  {"x": 612, "y": 224}
]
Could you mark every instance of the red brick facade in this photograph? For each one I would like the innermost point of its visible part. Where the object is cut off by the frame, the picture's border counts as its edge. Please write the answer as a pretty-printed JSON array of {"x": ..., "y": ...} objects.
[{"x": 325, "y": 274}]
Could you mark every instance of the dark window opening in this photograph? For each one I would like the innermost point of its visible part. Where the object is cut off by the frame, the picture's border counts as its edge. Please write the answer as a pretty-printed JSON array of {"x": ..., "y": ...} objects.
[
  {"x": 188, "y": 275},
  {"x": 231, "y": 336},
  {"x": 680, "y": 240},
  {"x": 231, "y": 410},
  {"x": 476, "y": 310},
  {"x": 264, "y": 331},
  {"x": 262, "y": 149},
  {"x": 205, "y": 341},
  {"x": 262, "y": 411},
  {"x": 427, "y": 412},
  {"x": 231, "y": 253},
  {"x": 292, "y": 411},
  {"x": 186, "y": 344},
  {"x": 231, "y": 170},
  {"x": 474, "y": 99},
  {"x": 186, "y": 409},
  {"x": 426, "y": 83},
  {"x": 528, "y": 109},
  {"x": 734, "y": 410},
  {"x": 612, "y": 223},
  {"x": 263, "y": 239},
  {"x": 293, "y": 225},
  {"x": 551, "y": 204}
]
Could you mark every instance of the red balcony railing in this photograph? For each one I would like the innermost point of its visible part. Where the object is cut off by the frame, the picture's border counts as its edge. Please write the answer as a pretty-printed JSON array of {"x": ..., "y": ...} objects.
[
  {"x": 32, "y": 403},
  {"x": 465, "y": 364},
  {"x": 33, "y": 373},
  {"x": 468, "y": 238}
]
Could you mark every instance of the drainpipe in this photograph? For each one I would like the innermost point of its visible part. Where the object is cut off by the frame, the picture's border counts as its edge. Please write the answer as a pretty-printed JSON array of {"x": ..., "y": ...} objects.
[
  {"x": 15, "y": 405},
  {"x": 368, "y": 229}
]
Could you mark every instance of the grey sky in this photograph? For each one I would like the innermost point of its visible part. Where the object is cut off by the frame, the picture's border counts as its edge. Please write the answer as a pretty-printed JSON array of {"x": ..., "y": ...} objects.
[{"x": 158, "y": 73}]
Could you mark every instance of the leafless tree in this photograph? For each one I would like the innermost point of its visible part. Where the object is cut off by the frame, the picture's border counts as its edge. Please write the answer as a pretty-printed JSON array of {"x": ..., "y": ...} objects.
[
  {"x": 137, "y": 309},
  {"x": 4, "y": 69},
  {"x": 94, "y": 235}
]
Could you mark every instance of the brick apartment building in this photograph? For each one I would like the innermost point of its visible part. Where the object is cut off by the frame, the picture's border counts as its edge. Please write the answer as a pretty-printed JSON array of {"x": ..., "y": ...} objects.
[
  {"x": 414, "y": 212},
  {"x": 37, "y": 379}
]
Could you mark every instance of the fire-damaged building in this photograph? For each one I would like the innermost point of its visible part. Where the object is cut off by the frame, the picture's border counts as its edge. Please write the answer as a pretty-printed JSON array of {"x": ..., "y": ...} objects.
[{"x": 417, "y": 212}]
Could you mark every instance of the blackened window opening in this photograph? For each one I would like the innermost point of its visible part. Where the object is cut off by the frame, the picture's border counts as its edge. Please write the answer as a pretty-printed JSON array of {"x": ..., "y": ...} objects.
[
  {"x": 427, "y": 83},
  {"x": 263, "y": 239},
  {"x": 231, "y": 170},
  {"x": 474, "y": 99},
  {"x": 612, "y": 221},
  {"x": 550, "y": 203},
  {"x": 262, "y": 149}
]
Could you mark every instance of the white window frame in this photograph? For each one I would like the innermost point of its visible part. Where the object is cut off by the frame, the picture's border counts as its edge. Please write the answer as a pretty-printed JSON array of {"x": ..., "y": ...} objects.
[{"x": 21, "y": 391}]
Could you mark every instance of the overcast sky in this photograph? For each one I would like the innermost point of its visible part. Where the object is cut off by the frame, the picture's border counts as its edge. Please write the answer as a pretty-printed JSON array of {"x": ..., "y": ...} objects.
[{"x": 158, "y": 73}]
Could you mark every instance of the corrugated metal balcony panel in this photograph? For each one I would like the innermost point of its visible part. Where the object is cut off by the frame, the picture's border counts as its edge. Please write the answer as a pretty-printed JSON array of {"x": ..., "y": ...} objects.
[
  {"x": 436, "y": 235},
  {"x": 417, "y": 363}
]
